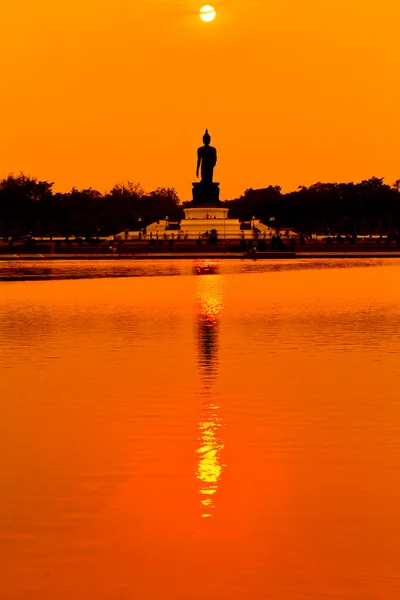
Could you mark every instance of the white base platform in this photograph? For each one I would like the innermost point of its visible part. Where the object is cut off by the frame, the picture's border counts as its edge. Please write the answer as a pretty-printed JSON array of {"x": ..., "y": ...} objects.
[{"x": 200, "y": 220}]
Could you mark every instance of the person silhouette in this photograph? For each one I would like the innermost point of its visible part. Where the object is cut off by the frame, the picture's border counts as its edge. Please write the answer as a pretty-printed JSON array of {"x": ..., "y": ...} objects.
[{"x": 206, "y": 159}]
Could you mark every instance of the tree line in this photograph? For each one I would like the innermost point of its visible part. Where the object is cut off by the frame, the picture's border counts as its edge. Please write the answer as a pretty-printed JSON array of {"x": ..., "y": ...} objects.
[
  {"x": 29, "y": 205},
  {"x": 370, "y": 206}
]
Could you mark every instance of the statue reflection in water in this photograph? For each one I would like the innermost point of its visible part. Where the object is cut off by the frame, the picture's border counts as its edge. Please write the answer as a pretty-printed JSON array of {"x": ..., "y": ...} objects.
[{"x": 209, "y": 299}]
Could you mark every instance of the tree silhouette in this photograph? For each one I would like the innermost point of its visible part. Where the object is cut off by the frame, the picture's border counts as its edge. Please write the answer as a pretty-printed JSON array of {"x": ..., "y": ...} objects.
[{"x": 29, "y": 205}]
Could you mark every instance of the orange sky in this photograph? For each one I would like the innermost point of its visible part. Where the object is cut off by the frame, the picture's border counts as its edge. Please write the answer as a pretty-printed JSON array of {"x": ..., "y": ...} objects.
[{"x": 95, "y": 92}]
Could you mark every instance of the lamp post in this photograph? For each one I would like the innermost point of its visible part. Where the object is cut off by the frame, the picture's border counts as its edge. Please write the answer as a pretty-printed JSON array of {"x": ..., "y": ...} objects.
[
  {"x": 166, "y": 222},
  {"x": 224, "y": 223},
  {"x": 252, "y": 225}
]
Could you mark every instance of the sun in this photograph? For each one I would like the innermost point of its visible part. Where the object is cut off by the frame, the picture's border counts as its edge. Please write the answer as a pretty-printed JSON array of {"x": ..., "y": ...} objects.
[{"x": 208, "y": 13}]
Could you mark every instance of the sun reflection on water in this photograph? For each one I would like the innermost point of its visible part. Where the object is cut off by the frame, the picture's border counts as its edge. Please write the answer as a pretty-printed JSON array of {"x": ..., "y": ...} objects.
[
  {"x": 210, "y": 306},
  {"x": 210, "y": 466}
]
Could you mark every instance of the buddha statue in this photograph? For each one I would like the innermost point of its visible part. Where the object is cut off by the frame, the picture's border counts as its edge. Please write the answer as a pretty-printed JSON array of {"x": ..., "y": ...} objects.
[{"x": 206, "y": 160}]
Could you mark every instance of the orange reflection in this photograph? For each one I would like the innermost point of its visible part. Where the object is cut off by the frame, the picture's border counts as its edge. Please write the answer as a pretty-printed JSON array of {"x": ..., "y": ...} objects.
[
  {"x": 209, "y": 300},
  {"x": 210, "y": 466},
  {"x": 210, "y": 306}
]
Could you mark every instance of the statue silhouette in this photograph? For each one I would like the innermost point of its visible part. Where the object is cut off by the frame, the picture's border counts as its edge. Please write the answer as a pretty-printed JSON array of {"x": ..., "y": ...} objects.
[
  {"x": 206, "y": 159},
  {"x": 206, "y": 191}
]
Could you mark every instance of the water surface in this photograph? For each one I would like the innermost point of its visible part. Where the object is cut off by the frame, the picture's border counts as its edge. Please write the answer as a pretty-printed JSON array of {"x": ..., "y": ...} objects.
[{"x": 194, "y": 429}]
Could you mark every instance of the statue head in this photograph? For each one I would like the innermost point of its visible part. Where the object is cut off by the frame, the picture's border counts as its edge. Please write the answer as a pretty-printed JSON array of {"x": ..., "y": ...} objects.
[{"x": 206, "y": 138}]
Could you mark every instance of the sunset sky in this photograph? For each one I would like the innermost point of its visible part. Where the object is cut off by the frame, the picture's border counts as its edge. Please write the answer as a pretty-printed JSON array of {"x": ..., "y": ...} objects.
[{"x": 96, "y": 92}]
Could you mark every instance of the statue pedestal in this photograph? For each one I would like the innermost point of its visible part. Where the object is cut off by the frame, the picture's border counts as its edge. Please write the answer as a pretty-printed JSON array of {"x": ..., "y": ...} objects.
[
  {"x": 205, "y": 193},
  {"x": 203, "y": 213},
  {"x": 199, "y": 219},
  {"x": 206, "y": 212}
]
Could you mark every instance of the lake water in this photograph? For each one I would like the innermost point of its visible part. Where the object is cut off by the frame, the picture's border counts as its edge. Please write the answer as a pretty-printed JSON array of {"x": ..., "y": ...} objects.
[{"x": 200, "y": 430}]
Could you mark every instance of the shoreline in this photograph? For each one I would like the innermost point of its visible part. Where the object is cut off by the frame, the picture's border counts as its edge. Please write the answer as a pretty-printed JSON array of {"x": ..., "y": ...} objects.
[{"x": 312, "y": 254}]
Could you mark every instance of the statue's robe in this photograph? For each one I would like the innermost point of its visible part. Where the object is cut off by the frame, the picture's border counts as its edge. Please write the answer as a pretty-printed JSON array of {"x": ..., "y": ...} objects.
[{"x": 208, "y": 158}]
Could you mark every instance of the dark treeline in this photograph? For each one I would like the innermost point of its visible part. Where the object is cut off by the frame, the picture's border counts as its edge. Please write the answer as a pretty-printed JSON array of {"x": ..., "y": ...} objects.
[
  {"x": 28, "y": 205},
  {"x": 370, "y": 206}
]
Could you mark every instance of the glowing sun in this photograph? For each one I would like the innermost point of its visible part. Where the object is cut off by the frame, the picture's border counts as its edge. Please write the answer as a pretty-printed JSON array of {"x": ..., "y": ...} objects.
[{"x": 208, "y": 13}]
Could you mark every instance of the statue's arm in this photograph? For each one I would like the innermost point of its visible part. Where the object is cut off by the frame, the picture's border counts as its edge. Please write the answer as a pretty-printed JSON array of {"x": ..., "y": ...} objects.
[
  {"x": 215, "y": 158},
  {"x": 198, "y": 162}
]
